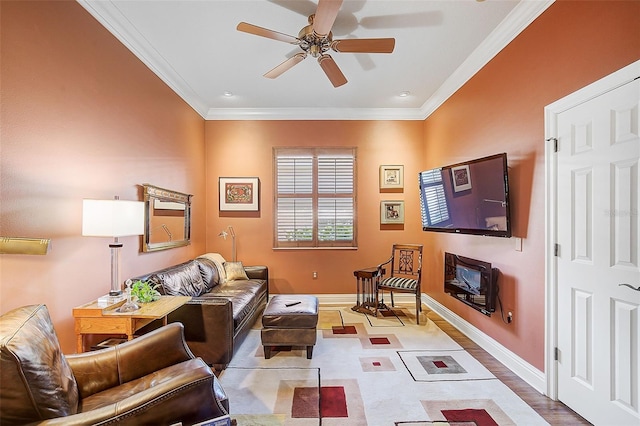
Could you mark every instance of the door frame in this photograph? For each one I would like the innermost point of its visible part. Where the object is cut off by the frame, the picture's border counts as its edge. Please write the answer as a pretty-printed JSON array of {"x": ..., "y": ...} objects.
[{"x": 551, "y": 112}]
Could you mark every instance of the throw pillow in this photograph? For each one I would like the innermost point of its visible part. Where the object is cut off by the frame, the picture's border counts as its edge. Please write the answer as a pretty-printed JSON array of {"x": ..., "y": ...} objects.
[
  {"x": 218, "y": 260},
  {"x": 235, "y": 271}
]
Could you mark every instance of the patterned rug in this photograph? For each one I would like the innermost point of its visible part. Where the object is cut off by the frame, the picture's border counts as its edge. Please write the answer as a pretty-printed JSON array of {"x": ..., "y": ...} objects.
[{"x": 366, "y": 370}]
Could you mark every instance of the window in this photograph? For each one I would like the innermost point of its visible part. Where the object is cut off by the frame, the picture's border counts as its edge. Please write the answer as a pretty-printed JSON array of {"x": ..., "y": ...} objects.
[
  {"x": 315, "y": 197},
  {"x": 433, "y": 204}
]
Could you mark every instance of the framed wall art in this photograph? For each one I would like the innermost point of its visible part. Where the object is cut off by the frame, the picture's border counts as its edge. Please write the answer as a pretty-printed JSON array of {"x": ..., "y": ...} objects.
[
  {"x": 391, "y": 177},
  {"x": 461, "y": 178},
  {"x": 239, "y": 194},
  {"x": 392, "y": 212}
]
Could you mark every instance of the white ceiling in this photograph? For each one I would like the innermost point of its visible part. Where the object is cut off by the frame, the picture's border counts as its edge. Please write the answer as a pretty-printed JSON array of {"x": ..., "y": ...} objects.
[{"x": 194, "y": 47}]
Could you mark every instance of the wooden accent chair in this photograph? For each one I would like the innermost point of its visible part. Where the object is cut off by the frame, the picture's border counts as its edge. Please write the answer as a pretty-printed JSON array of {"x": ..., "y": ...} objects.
[{"x": 404, "y": 269}]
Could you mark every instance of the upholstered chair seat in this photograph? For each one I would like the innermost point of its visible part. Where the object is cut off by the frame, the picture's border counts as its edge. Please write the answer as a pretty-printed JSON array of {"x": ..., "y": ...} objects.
[{"x": 399, "y": 283}]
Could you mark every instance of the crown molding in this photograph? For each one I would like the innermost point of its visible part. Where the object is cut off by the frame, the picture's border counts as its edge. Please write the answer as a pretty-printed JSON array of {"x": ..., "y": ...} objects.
[
  {"x": 513, "y": 24},
  {"x": 314, "y": 114},
  {"x": 108, "y": 14}
]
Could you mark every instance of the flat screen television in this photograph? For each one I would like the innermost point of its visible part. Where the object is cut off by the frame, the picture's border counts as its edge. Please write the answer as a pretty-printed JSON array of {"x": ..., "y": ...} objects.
[
  {"x": 467, "y": 198},
  {"x": 474, "y": 282}
]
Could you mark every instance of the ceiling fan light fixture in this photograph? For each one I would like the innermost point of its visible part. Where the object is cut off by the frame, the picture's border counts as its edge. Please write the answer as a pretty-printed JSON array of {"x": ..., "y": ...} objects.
[
  {"x": 314, "y": 50},
  {"x": 313, "y": 43}
]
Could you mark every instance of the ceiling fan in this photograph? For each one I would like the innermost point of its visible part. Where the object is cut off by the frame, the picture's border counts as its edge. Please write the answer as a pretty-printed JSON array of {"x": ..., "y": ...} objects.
[{"x": 316, "y": 39}]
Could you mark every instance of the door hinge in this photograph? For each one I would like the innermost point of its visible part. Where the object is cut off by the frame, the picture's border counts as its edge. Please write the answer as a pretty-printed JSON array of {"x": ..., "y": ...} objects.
[
  {"x": 556, "y": 354},
  {"x": 556, "y": 250},
  {"x": 555, "y": 143}
]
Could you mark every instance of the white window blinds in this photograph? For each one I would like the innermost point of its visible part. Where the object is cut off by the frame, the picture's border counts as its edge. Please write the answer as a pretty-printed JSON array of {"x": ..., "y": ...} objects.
[
  {"x": 433, "y": 204},
  {"x": 314, "y": 197}
]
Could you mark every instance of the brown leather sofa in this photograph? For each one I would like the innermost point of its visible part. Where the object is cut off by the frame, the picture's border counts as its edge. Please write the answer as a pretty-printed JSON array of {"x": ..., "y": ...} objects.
[
  {"x": 221, "y": 311},
  {"x": 154, "y": 379}
]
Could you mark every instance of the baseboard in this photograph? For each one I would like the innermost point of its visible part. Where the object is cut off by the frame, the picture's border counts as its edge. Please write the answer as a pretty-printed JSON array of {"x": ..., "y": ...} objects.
[
  {"x": 336, "y": 299},
  {"x": 345, "y": 299},
  {"x": 513, "y": 362}
]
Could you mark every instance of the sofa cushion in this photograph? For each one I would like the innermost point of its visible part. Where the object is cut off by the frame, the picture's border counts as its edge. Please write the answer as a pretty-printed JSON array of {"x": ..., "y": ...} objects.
[
  {"x": 245, "y": 295},
  {"x": 209, "y": 272},
  {"x": 160, "y": 382},
  {"x": 235, "y": 271},
  {"x": 182, "y": 280},
  {"x": 43, "y": 385}
]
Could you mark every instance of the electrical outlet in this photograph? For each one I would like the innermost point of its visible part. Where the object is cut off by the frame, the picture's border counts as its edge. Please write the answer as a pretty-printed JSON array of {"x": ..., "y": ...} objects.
[
  {"x": 509, "y": 317},
  {"x": 315, "y": 275}
]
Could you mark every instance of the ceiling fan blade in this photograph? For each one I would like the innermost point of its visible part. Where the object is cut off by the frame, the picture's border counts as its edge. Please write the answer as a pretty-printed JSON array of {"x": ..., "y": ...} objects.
[
  {"x": 286, "y": 65},
  {"x": 263, "y": 32},
  {"x": 364, "y": 45},
  {"x": 325, "y": 16},
  {"x": 332, "y": 71}
]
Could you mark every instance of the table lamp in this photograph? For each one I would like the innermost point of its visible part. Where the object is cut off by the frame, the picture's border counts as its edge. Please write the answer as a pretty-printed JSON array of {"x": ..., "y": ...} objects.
[{"x": 113, "y": 218}]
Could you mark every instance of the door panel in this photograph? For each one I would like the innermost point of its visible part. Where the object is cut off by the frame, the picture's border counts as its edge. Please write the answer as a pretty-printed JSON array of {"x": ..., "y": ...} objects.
[
  {"x": 624, "y": 360},
  {"x": 582, "y": 344},
  {"x": 582, "y": 194},
  {"x": 625, "y": 230}
]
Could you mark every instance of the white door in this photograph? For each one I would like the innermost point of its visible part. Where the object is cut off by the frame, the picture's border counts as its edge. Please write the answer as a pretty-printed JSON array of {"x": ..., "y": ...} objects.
[{"x": 597, "y": 231}]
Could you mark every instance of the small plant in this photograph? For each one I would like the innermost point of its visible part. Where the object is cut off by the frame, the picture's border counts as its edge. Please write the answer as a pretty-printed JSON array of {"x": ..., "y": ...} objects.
[{"x": 144, "y": 292}]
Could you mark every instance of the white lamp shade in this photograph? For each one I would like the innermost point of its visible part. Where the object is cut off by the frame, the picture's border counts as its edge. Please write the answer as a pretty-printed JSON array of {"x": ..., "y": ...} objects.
[{"x": 112, "y": 218}]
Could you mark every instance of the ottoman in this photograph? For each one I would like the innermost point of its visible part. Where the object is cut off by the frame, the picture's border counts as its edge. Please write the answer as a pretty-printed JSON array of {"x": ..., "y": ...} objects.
[{"x": 290, "y": 320}]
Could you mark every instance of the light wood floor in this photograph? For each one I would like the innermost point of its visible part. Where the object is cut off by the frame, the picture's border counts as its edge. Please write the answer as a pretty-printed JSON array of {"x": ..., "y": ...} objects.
[{"x": 554, "y": 412}]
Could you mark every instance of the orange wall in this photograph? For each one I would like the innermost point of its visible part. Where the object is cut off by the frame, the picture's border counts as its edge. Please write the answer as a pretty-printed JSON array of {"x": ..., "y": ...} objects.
[
  {"x": 83, "y": 118},
  {"x": 244, "y": 148},
  {"x": 501, "y": 109}
]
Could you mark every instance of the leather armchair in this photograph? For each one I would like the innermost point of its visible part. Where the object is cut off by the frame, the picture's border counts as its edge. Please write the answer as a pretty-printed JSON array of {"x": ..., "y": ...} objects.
[{"x": 154, "y": 379}]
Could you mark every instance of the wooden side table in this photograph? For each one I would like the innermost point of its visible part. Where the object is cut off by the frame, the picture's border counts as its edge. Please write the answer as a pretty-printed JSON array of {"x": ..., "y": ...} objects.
[
  {"x": 92, "y": 318},
  {"x": 367, "y": 290}
]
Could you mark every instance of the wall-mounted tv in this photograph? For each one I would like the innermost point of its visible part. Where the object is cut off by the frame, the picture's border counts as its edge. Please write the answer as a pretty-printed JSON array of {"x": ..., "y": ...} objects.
[
  {"x": 471, "y": 281},
  {"x": 467, "y": 198}
]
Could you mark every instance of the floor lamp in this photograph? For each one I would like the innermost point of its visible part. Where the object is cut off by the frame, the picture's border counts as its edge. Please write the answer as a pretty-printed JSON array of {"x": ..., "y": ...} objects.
[
  {"x": 113, "y": 218},
  {"x": 231, "y": 232}
]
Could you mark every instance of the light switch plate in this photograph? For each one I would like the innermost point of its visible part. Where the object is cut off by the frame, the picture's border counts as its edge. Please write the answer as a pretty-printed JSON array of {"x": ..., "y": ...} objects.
[{"x": 518, "y": 243}]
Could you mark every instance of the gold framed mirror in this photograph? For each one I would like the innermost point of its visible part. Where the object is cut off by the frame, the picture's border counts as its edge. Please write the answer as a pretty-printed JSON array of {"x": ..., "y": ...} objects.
[{"x": 167, "y": 216}]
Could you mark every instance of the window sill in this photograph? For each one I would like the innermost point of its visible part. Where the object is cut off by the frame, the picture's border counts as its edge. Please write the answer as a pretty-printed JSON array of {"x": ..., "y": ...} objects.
[{"x": 313, "y": 248}]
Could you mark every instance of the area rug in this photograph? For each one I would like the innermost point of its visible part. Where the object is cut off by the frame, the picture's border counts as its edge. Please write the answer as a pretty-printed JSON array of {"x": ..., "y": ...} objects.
[{"x": 366, "y": 370}]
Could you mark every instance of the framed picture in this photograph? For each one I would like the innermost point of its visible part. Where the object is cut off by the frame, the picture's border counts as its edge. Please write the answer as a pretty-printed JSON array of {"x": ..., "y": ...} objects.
[
  {"x": 392, "y": 212},
  {"x": 391, "y": 177},
  {"x": 461, "y": 178},
  {"x": 240, "y": 194}
]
